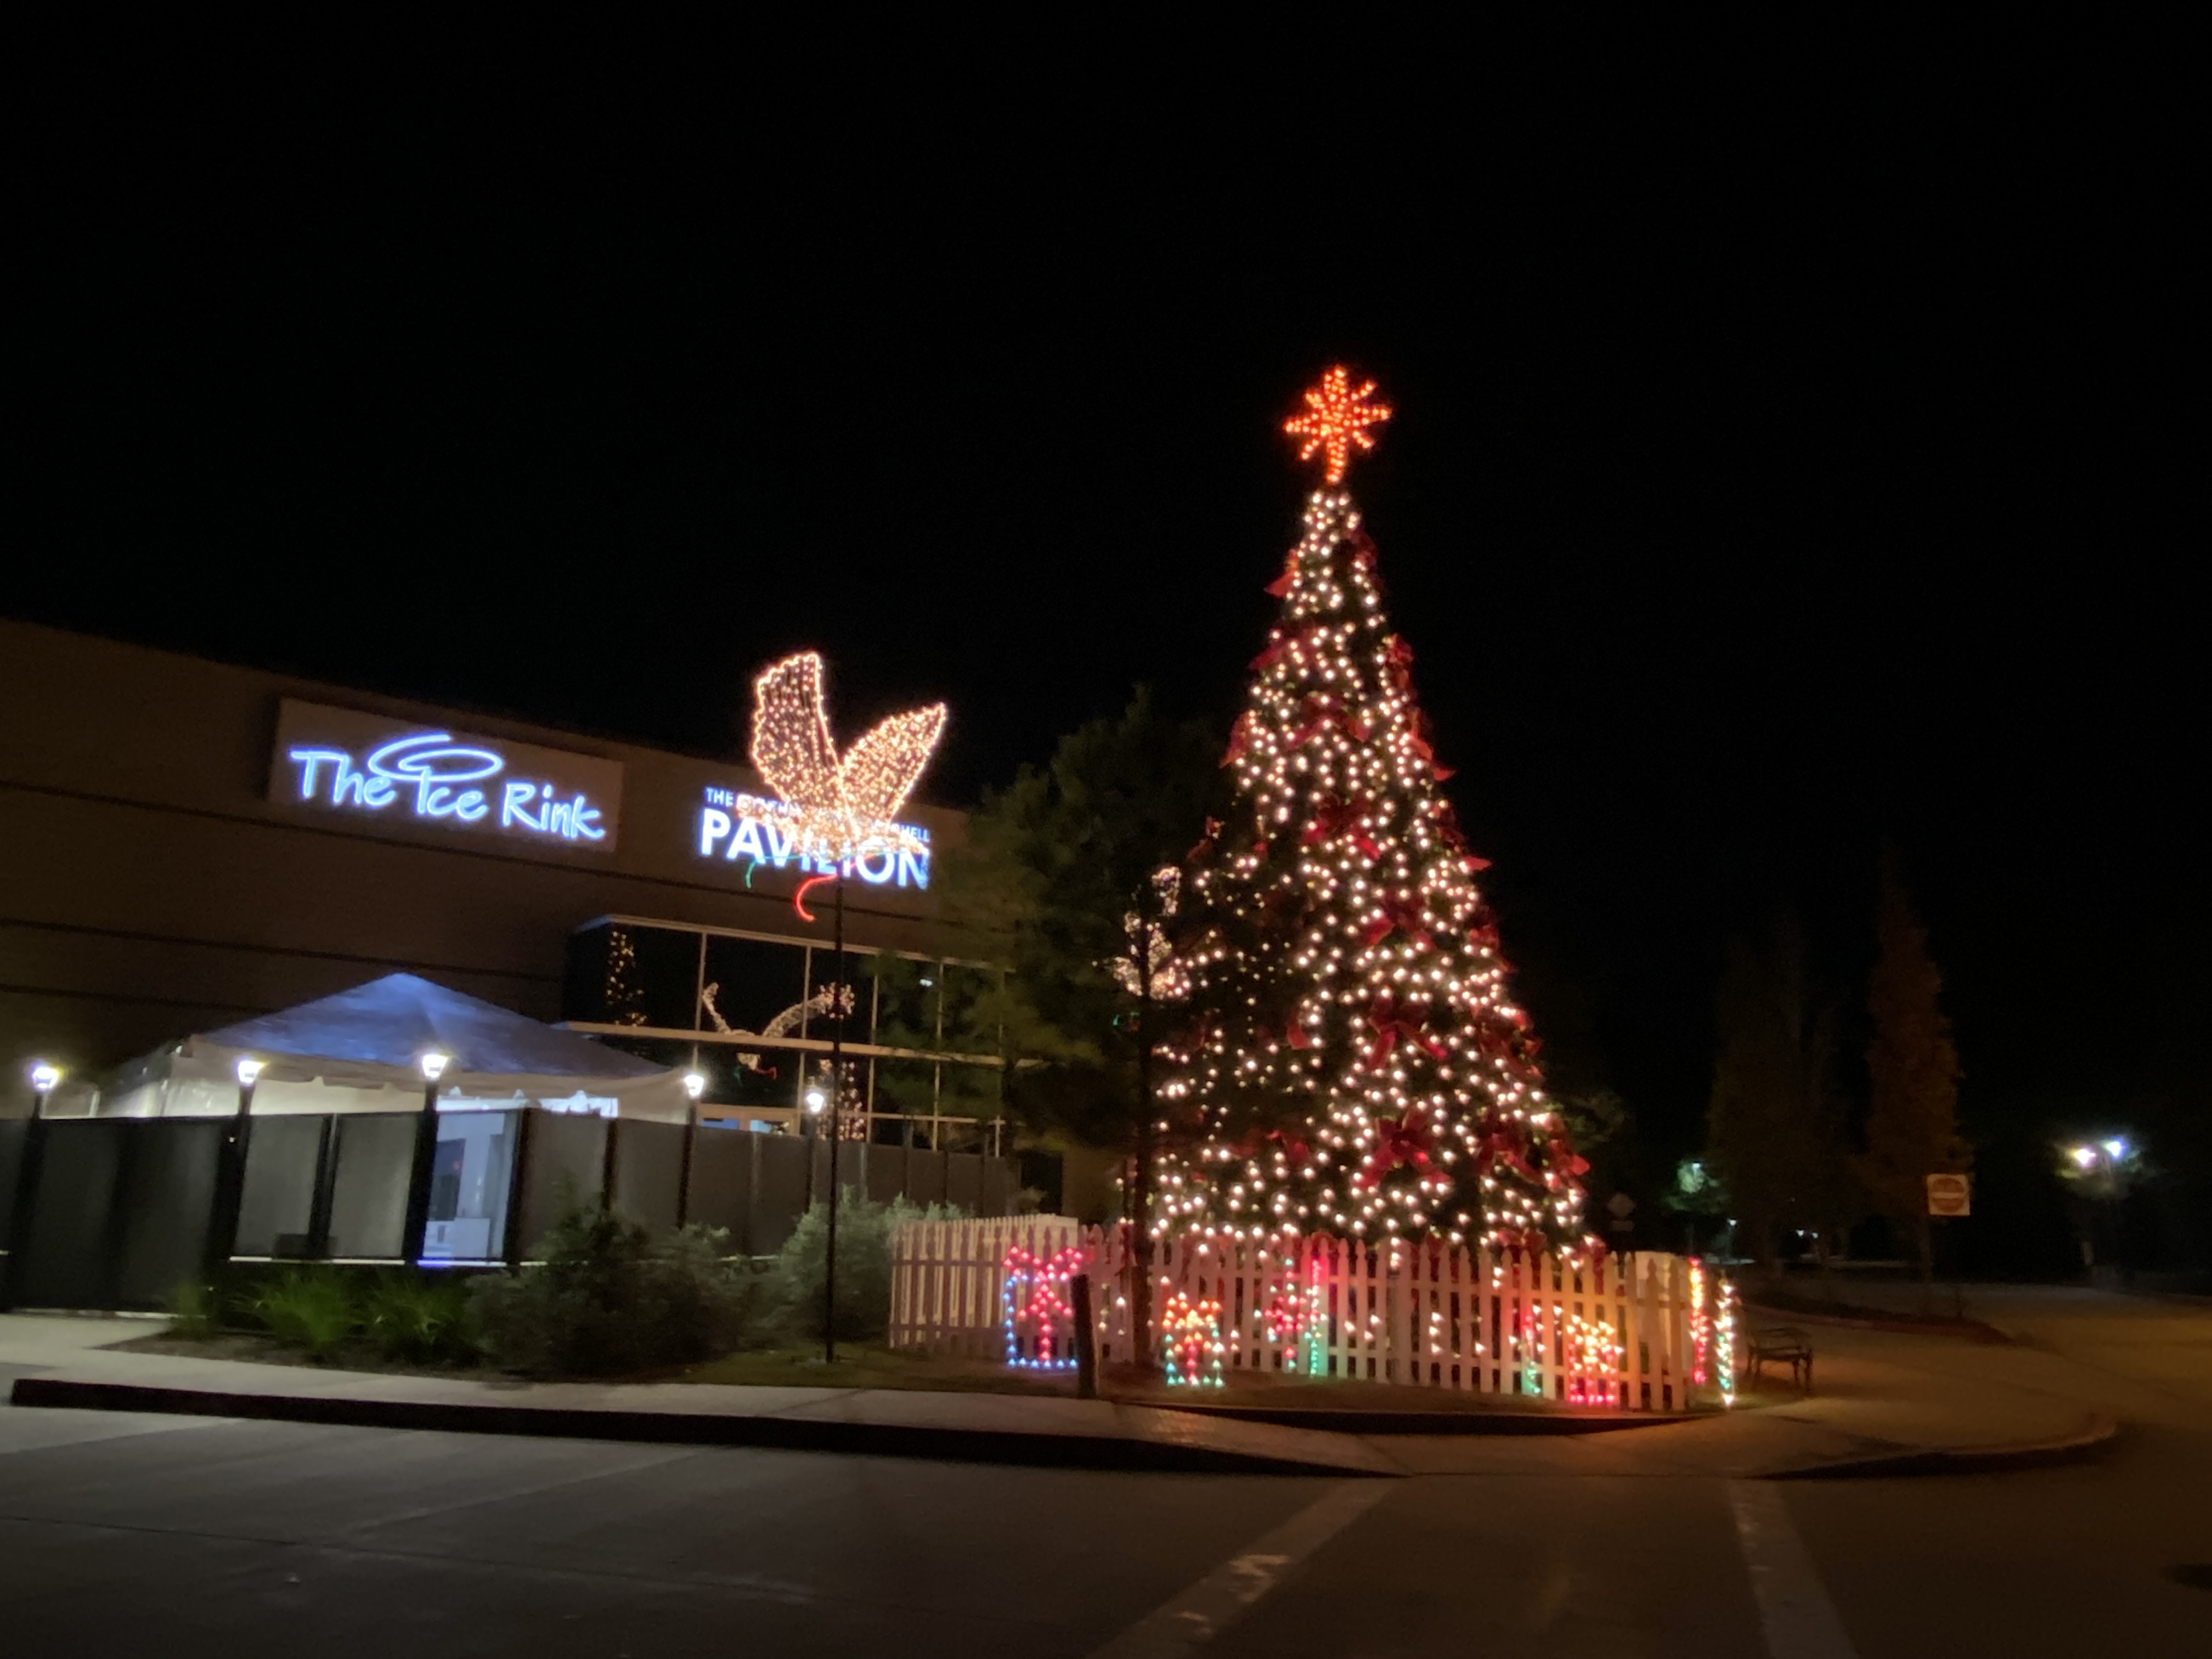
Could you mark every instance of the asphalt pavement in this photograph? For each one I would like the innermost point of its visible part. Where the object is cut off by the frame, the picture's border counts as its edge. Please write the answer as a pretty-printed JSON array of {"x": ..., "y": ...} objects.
[{"x": 129, "y": 1534}]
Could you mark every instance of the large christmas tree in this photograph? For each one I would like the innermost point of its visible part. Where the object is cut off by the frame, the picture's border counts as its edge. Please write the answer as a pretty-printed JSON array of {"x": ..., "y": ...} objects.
[{"x": 1350, "y": 1058}]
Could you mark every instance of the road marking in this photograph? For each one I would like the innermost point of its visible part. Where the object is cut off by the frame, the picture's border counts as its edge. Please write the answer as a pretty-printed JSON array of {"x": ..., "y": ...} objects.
[
  {"x": 1228, "y": 1593},
  {"x": 1800, "y": 1620}
]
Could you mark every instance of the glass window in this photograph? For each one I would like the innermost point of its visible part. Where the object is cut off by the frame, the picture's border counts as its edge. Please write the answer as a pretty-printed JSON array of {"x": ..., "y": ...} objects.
[
  {"x": 620, "y": 975},
  {"x": 906, "y": 1000},
  {"x": 469, "y": 1186},
  {"x": 823, "y": 965},
  {"x": 750, "y": 982},
  {"x": 369, "y": 1196}
]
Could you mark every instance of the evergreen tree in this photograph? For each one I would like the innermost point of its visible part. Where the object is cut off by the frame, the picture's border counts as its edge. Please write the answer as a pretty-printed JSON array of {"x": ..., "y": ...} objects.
[
  {"x": 1350, "y": 1057},
  {"x": 1912, "y": 1072},
  {"x": 1775, "y": 1126}
]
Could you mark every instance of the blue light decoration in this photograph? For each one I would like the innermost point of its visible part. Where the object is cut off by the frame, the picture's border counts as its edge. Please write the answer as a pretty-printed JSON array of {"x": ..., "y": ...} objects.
[
  {"x": 758, "y": 831},
  {"x": 1036, "y": 1310},
  {"x": 422, "y": 774}
]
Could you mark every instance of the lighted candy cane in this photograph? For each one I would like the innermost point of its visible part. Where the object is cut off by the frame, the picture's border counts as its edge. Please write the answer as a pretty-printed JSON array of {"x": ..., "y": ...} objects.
[
  {"x": 1034, "y": 1302},
  {"x": 1724, "y": 1344},
  {"x": 1194, "y": 1348},
  {"x": 1700, "y": 1324}
]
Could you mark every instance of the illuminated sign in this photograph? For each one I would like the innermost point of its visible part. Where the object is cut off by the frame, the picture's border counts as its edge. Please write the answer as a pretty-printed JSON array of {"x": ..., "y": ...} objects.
[
  {"x": 342, "y": 760},
  {"x": 752, "y": 830}
]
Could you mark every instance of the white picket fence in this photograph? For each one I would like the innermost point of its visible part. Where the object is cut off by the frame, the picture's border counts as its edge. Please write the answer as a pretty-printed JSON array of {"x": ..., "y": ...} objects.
[{"x": 1618, "y": 1331}]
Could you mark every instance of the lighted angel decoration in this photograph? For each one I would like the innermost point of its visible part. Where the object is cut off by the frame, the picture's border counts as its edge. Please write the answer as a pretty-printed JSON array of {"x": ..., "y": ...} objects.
[{"x": 844, "y": 801}]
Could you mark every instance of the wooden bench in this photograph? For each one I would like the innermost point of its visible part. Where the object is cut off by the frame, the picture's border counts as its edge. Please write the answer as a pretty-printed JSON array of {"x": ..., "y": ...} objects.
[{"x": 1780, "y": 1343}]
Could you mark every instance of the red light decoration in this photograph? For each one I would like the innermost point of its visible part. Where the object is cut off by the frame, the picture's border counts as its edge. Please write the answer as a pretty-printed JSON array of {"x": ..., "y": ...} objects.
[
  {"x": 798, "y": 898},
  {"x": 1336, "y": 418}
]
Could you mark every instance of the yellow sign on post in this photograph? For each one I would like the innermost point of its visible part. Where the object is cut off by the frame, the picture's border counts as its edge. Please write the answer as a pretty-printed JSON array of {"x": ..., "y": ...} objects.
[{"x": 1950, "y": 1194}]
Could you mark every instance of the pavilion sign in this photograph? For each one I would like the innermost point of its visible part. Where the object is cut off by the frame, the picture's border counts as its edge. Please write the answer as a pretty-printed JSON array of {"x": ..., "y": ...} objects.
[{"x": 368, "y": 767}]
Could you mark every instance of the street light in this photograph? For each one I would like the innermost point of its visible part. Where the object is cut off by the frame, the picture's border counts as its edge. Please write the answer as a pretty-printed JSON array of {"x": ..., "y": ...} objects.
[
  {"x": 30, "y": 1162},
  {"x": 815, "y": 1100},
  {"x": 694, "y": 1084},
  {"x": 2118, "y": 1148},
  {"x": 2084, "y": 1156},
  {"x": 249, "y": 1071},
  {"x": 415, "y": 1231}
]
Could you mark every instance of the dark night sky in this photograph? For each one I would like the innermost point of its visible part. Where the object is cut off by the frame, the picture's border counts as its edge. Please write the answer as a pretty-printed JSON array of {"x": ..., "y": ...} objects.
[{"x": 1786, "y": 452}]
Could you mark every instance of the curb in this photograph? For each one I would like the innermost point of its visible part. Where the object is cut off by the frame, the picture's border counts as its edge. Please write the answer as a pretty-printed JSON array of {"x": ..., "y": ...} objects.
[
  {"x": 1385, "y": 1423},
  {"x": 2090, "y": 1442},
  {"x": 1046, "y": 1450}
]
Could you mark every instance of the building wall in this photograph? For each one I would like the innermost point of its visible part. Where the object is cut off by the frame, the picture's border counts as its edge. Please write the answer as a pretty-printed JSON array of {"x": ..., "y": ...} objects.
[{"x": 149, "y": 886}]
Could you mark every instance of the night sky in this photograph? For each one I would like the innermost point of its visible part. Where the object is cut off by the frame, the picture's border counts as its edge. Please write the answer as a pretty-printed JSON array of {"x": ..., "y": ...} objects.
[{"x": 1785, "y": 453}]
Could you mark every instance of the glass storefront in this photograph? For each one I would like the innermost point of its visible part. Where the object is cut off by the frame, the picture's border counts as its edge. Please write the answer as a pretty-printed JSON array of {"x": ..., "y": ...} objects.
[{"x": 752, "y": 1014}]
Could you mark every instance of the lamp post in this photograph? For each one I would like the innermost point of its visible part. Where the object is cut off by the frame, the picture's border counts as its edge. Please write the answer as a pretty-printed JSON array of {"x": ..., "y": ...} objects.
[
  {"x": 695, "y": 1086},
  {"x": 230, "y": 1171},
  {"x": 417, "y": 1225},
  {"x": 844, "y": 1004},
  {"x": 45, "y": 1078}
]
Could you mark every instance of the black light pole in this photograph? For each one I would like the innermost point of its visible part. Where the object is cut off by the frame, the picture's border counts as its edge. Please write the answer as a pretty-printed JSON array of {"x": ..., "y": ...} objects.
[
  {"x": 417, "y": 1226},
  {"x": 843, "y": 1003},
  {"x": 45, "y": 1079},
  {"x": 230, "y": 1172}
]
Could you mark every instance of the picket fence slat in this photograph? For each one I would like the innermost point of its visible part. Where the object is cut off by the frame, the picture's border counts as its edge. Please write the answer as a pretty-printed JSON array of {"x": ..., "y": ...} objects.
[{"x": 1609, "y": 1331}]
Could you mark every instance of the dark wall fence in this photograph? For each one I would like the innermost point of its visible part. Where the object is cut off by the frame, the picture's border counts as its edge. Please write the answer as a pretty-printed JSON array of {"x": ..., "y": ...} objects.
[{"x": 120, "y": 1211}]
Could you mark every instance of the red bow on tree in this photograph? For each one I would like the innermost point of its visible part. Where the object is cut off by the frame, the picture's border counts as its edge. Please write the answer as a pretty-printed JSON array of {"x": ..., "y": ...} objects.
[
  {"x": 1409, "y": 916},
  {"x": 1397, "y": 661},
  {"x": 1404, "y": 1141},
  {"x": 1204, "y": 850},
  {"x": 1294, "y": 1146},
  {"x": 1333, "y": 817},
  {"x": 1363, "y": 551},
  {"x": 1392, "y": 1019},
  {"x": 1299, "y": 1034},
  {"x": 1240, "y": 739},
  {"x": 1283, "y": 639},
  {"x": 1318, "y": 713},
  {"x": 1282, "y": 585}
]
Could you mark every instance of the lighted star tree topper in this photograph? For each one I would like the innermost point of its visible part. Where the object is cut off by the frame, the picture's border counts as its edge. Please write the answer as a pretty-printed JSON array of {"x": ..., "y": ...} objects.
[
  {"x": 843, "y": 803},
  {"x": 1351, "y": 1058}
]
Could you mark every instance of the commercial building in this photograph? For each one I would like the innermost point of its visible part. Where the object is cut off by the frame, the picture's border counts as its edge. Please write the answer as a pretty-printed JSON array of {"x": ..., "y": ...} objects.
[{"x": 184, "y": 844}]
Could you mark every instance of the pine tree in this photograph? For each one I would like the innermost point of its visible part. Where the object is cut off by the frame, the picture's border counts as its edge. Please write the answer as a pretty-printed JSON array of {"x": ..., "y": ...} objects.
[
  {"x": 1912, "y": 1072},
  {"x": 1351, "y": 1057}
]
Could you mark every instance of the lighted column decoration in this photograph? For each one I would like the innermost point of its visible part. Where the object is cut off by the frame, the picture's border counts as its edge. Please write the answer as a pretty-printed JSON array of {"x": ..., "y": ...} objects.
[
  {"x": 1352, "y": 1060},
  {"x": 845, "y": 805},
  {"x": 1036, "y": 1310}
]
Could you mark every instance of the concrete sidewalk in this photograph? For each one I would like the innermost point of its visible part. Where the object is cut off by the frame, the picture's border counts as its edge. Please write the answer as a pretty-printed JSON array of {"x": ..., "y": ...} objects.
[{"x": 1882, "y": 1408}]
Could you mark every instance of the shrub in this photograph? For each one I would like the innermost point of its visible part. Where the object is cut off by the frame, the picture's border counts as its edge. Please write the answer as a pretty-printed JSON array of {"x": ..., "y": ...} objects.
[
  {"x": 864, "y": 1264},
  {"x": 311, "y": 1308},
  {"x": 421, "y": 1318},
  {"x": 193, "y": 1309},
  {"x": 610, "y": 1299}
]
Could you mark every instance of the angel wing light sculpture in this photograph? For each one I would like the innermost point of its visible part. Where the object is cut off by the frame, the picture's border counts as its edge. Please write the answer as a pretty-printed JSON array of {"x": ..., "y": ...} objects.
[{"x": 843, "y": 802}]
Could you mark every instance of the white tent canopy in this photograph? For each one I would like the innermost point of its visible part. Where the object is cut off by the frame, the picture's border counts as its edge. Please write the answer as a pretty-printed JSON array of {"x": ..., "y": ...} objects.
[{"x": 361, "y": 1051}]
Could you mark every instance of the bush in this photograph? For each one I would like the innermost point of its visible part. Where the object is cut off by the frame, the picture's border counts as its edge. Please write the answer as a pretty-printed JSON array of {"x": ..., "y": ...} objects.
[
  {"x": 421, "y": 1318},
  {"x": 311, "y": 1308},
  {"x": 194, "y": 1310},
  {"x": 610, "y": 1300},
  {"x": 864, "y": 1265}
]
